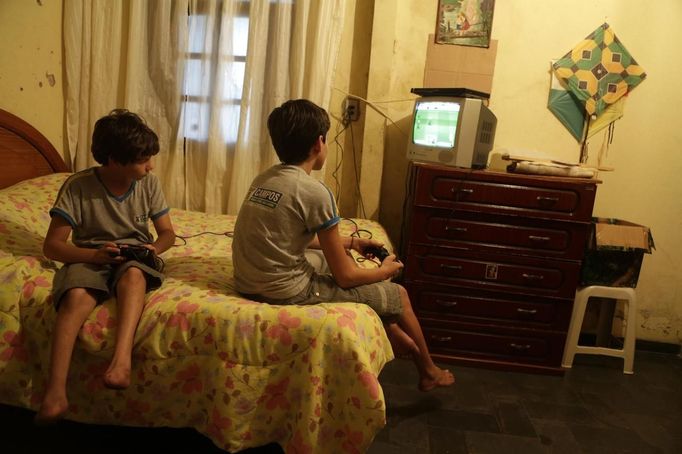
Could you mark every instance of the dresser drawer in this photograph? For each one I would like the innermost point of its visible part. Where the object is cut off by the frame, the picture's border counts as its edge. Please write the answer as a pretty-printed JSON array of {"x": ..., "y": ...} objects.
[
  {"x": 494, "y": 272},
  {"x": 471, "y": 305},
  {"x": 494, "y": 344},
  {"x": 507, "y": 234},
  {"x": 501, "y": 193}
]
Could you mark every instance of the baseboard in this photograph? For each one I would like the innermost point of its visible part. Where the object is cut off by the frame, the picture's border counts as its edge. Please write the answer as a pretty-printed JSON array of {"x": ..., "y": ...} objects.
[{"x": 643, "y": 345}]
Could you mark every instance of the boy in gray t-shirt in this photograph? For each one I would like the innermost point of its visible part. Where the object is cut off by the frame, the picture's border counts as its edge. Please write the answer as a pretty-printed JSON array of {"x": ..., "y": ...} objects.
[
  {"x": 286, "y": 211},
  {"x": 106, "y": 210}
]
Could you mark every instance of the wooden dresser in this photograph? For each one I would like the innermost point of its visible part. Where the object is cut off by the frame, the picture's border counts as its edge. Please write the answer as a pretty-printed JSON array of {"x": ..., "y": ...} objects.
[{"x": 492, "y": 261}]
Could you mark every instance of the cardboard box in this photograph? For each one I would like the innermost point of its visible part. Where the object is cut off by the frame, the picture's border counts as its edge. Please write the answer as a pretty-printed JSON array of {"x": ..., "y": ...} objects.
[
  {"x": 452, "y": 65},
  {"x": 615, "y": 252}
]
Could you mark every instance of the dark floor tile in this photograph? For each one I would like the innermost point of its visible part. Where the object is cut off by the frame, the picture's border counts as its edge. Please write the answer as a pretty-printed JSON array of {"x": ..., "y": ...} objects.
[
  {"x": 411, "y": 432},
  {"x": 463, "y": 420},
  {"x": 446, "y": 441},
  {"x": 603, "y": 440},
  {"x": 481, "y": 443},
  {"x": 558, "y": 412},
  {"x": 661, "y": 432},
  {"x": 513, "y": 420},
  {"x": 556, "y": 437},
  {"x": 382, "y": 447}
]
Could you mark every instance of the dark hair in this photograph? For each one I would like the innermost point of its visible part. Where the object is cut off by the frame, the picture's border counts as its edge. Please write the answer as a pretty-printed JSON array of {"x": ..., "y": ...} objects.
[
  {"x": 294, "y": 127},
  {"x": 123, "y": 137}
]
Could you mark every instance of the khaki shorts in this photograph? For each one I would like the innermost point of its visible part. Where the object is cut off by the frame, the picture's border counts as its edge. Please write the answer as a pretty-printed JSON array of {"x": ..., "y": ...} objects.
[
  {"x": 100, "y": 278},
  {"x": 383, "y": 297}
]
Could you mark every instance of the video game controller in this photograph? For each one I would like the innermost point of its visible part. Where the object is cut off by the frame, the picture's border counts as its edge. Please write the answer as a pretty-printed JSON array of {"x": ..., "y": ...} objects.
[
  {"x": 138, "y": 253},
  {"x": 378, "y": 252}
]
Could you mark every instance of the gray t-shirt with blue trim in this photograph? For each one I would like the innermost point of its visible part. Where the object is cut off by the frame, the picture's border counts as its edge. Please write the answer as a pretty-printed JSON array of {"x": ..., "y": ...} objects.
[
  {"x": 97, "y": 216},
  {"x": 281, "y": 214}
]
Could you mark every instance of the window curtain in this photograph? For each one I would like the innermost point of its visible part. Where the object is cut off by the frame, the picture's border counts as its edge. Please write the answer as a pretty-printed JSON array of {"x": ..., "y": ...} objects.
[
  {"x": 126, "y": 54},
  {"x": 132, "y": 54},
  {"x": 291, "y": 53}
]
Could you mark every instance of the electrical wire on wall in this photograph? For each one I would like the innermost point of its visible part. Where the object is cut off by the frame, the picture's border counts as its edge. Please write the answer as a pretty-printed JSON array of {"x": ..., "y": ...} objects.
[{"x": 339, "y": 160}]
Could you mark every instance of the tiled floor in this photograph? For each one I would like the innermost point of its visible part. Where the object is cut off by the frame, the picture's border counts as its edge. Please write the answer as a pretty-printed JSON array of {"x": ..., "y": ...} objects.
[{"x": 594, "y": 408}]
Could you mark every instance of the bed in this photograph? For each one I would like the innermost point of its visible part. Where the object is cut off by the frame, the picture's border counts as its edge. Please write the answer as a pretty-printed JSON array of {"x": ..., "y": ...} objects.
[{"x": 242, "y": 373}]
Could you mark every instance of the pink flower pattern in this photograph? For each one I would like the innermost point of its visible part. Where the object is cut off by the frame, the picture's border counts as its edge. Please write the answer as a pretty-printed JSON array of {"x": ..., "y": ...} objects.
[{"x": 204, "y": 357}]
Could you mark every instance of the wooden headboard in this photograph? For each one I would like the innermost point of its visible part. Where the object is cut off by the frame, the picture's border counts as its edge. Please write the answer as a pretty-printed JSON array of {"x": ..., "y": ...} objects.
[{"x": 24, "y": 152}]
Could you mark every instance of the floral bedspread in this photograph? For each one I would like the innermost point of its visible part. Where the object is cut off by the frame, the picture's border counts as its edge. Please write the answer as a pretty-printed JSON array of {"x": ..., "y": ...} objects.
[{"x": 242, "y": 373}]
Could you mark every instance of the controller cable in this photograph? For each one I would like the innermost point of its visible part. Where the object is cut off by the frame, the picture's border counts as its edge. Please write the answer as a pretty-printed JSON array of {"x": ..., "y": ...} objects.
[{"x": 184, "y": 238}]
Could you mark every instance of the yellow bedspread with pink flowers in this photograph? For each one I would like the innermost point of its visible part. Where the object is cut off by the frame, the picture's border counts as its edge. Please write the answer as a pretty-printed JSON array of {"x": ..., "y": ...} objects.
[{"x": 242, "y": 373}]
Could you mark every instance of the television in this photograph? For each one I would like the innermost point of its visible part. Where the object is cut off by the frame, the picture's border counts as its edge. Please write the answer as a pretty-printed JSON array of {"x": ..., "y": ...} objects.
[{"x": 452, "y": 130}]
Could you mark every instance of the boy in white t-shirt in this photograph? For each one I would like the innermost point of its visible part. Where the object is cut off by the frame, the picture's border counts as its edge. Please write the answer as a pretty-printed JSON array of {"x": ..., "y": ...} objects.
[{"x": 286, "y": 211}]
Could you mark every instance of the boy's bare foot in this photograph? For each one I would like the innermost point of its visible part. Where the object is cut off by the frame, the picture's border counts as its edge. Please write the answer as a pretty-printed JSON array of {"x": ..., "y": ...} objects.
[
  {"x": 439, "y": 378},
  {"x": 402, "y": 343},
  {"x": 117, "y": 377},
  {"x": 51, "y": 410}
]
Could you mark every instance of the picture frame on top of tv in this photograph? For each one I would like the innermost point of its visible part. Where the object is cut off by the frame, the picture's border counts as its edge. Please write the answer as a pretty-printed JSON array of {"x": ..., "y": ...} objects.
[{"x": 465, "y": 22}]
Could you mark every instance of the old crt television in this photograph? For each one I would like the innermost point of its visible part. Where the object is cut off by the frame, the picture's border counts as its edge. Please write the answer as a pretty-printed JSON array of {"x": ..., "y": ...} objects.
[{"x": 451, "y": 126}]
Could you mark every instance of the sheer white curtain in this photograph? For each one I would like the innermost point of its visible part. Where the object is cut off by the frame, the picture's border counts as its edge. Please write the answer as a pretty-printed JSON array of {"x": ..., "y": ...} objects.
[
  {"x": 126, "y": 54},
  {"x": 290, "y": 49},
  {"x": 205, "y": 74}
]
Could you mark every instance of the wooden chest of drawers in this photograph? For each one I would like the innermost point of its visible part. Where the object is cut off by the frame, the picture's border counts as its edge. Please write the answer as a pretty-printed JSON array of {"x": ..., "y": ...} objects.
[{"x": 492, "y": 261}]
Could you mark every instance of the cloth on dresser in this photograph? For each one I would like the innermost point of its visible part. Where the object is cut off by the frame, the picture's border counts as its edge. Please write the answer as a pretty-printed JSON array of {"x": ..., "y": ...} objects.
[{"x": 550, "y": 168}]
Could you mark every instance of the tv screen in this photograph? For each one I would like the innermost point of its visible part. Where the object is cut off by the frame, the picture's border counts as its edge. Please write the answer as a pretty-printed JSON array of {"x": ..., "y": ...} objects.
[{"x": 435, "y": 123}]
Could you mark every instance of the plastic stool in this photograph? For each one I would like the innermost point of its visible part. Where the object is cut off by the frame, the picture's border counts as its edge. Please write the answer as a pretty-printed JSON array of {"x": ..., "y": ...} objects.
[{"x": 582, "y": 295}]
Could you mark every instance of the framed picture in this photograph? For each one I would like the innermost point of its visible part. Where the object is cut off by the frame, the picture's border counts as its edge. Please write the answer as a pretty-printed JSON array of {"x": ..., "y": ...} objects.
[{"x": 465, "y": 22}]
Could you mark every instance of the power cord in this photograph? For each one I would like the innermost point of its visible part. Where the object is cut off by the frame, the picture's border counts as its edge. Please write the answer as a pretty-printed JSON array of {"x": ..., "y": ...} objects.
[
  {"x": 357, "y": 233},
  {"x": 187, "y": 237}
]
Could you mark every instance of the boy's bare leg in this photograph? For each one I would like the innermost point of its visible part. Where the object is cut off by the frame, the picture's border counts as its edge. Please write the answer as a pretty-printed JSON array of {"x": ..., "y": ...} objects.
[
  {"x": 75, "y": 307},
  {"x": 430, "y": 375},
  {"x": 402, "y": 344},
  {"x": 130, "y": 291}
]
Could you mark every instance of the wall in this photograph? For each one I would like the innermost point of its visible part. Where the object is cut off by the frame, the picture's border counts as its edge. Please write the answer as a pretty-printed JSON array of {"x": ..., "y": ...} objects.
[
  {"x": 31, "y": 81},
  {"x": 643, "y": 188}
]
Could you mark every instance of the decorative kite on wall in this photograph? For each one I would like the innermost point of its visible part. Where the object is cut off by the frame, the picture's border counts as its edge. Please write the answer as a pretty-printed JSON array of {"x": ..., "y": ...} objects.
[{"x": 589, "y": 82}]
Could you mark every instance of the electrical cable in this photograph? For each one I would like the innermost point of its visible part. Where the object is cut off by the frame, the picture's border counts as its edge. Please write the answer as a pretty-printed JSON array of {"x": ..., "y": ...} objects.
[
  {"x": 339, "y": 162},
  {"x": 184, "y": 238},
  {"x": 357, "y": 234},
  {"x": 374, "y": 107},
  {"x": 357, "y": 177}
]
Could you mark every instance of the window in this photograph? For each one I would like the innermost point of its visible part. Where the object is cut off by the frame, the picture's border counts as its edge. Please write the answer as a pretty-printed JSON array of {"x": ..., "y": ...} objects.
[{"x": 215, "y": 63}]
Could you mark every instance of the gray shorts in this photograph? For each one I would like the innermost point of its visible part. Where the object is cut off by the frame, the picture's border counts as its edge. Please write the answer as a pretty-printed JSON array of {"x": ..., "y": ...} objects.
[
  {"x": 383, "y": 297},
  {"x": 100, "y": 278}
]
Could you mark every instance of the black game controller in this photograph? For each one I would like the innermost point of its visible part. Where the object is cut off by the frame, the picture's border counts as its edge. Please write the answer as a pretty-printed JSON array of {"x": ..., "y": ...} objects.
[
  {"x": 379, "y": 252},
  {"x": 138, "y": 253}
]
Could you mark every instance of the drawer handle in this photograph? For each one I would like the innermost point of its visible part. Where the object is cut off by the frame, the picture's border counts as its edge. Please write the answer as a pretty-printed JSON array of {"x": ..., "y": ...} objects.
[
  {"x": 533, "y": 277},
  {"x": 446, "y": 303},
  {"x": 519, "y": 347},
  {"x": 441, "y": 338},
  {"x": 451, "y": 268},
  {"x": 526, "y": 311},
  {"x": 538, "y": 238},
  {"x": 546, "y": 199},
  {"x": 456, "y": 229},
  {"x": 462, "y": 190}
]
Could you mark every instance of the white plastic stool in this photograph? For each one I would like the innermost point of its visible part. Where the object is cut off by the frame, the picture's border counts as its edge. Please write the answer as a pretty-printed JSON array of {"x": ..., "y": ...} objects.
[{"x": 582, "y": 295}]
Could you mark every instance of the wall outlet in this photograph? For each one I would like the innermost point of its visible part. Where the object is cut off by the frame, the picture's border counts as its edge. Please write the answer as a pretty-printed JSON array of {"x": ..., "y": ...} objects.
[{"x": 352, "y": 109}]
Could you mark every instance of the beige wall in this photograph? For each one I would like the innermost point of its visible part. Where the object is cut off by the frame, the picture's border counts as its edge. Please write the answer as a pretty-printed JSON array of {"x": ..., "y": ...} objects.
[
  {"x": 31, "y": 82},
  {"x": 644, "y": 187},
  {"x": 382, "y": 57}
]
